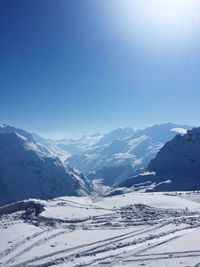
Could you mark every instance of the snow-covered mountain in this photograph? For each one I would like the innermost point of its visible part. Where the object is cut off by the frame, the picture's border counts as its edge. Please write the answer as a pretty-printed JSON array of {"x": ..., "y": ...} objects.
[
  {"x": 5, "y": 129},
  {"x": 123, "y": 152},
  {"x": 65, "y": 148},
  {"x": 176, "y": 166},
  {"x": 179, "y": 162},
  {"x": 114, "y": 156},
  {"x": 27, "y": 170}
]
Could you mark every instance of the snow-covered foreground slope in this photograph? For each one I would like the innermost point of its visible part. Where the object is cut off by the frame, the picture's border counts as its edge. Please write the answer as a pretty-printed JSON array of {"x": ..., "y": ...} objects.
[{"x": 136, "y": 229}]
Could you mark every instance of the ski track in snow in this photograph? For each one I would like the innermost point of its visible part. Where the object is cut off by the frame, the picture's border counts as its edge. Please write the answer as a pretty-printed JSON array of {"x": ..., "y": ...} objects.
[
  {"x": 119, "y": 258},
  {"x": 34, "y": 244},
  {"x": 104, "y": 242},
  {"x": 130, "y": 235}
]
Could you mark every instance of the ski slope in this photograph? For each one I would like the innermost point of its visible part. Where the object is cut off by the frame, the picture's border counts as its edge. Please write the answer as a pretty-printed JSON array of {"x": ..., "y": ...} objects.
[{"x": 135, "y": 229}]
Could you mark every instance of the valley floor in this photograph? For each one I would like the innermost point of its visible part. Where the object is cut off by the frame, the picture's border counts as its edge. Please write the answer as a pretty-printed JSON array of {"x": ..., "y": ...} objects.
[{"x": 135, "y": 229}]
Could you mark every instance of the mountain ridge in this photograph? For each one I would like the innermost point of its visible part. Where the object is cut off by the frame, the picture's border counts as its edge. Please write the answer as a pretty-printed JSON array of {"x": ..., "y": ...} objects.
[
  {"x": 26, "y": 171},
  {"x": 175, "y": 168}
]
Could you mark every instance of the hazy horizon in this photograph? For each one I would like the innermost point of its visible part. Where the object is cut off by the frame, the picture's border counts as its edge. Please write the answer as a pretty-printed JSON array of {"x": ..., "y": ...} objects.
[{"x": 68, "y": 135}]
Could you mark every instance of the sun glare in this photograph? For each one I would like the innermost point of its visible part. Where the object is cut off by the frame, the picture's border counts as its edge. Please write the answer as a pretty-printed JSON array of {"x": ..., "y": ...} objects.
[{"x": 167, "y": 20}]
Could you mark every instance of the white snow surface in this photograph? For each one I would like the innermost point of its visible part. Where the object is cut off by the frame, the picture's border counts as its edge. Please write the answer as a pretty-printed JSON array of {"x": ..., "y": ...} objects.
[
  {"x": 179, "y": 130},
  {"x": 134, "y": 229}
]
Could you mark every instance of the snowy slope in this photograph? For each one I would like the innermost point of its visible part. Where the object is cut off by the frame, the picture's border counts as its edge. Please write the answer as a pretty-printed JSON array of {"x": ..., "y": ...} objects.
[
  {"x": 117, "y": 156},
  {"x": 151, "y": 229},
  {"x": 176, "y": 167},
  {"x": 5, "y": 129},
  {"x": 65, "y": 148},
  {"x": 114, "y": 156},
  {"x": 179, "y": 161},
  {"x": 27, "y": 171}
]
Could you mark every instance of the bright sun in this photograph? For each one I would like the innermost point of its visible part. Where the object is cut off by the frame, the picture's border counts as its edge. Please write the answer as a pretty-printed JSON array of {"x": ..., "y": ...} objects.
[{"x": 166, "y": 20}]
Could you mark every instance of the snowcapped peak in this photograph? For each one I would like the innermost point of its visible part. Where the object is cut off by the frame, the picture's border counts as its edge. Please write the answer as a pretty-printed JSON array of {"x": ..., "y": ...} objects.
[{"x": 179, "y": 130}]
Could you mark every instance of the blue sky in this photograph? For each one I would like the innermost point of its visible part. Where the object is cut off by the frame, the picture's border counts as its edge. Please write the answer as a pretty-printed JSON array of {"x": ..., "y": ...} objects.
[{"x": 80, "y": 66}]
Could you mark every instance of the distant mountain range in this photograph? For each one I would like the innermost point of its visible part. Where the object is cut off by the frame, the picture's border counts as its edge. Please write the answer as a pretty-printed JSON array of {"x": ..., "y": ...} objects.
[
  {"x": 114, "y": 156},
  {"x": 159, "y": 158},
  {"x": 29, "y": 171}
]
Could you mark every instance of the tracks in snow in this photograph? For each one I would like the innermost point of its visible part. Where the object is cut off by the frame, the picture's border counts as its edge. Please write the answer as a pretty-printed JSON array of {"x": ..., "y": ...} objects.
[
  {"x": 72, "y": 252},
  {"x": 134, "y": 254},
  {"x": 111, "y": 245},
  {"x": 22, "y": 247},
  {"x": 119, "y": 249}
]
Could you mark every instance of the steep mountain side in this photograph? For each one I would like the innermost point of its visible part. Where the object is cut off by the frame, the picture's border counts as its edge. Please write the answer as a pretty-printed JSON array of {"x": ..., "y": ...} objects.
[
  {"x": 27, "y": 172},
  {"x": 175, "y": 168},
  {"x": 179, "y": 161},
  {"x": 5, "y": 129}
]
